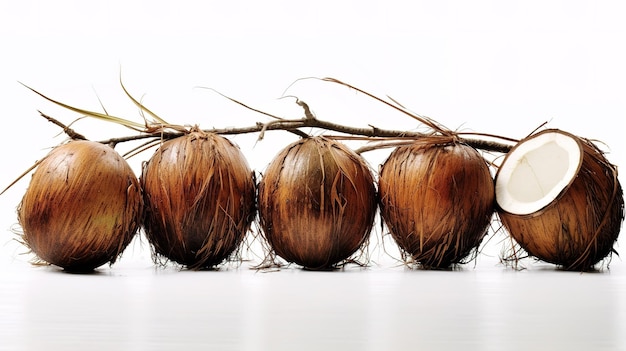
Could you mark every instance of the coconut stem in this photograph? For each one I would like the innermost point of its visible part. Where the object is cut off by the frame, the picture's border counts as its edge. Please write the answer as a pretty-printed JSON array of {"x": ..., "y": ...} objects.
[{"x": 293, "y": 125}]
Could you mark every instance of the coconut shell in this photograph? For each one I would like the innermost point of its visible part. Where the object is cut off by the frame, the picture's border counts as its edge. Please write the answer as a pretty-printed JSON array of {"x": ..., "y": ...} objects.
[
  {"x": 200, "y": 199},
  {"x": 580, "y": 227},
  {"x": 317, "y": 202},
  {"x": 82, "y": 207},
  {"x": 437, "y": 199}
]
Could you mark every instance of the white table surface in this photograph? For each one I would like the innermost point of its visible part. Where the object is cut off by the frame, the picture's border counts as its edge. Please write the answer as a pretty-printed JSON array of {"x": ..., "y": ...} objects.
[{"x": 135, "y": 305}]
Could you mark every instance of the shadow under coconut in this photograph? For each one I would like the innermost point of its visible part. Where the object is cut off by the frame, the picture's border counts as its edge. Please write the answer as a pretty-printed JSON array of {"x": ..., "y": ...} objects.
[
  {"x": 551, "y": 269},
  {"x": 538, "y": 265},
  {"x": 37, "y": 263},
  {"x": 60, "y": 270},
  {"x": 340, "y": 267},
  {"x": 454, "y": 267},
  {"x": 451, "y": 268},
  {"x": 228, "y": 264}
]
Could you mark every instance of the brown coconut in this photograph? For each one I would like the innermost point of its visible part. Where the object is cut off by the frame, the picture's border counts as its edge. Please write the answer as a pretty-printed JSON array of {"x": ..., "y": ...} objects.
[
  {"x": 560, "y": 199},
  {"x": 200, "y": 199},
  {"x": 317, "y": 202},
  {"x": 437, "y": 199},
  {"x": 82, "y": 207}
]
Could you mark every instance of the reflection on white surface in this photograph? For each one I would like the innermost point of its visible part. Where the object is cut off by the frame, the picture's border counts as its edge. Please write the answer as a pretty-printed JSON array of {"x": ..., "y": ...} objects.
[{"x": 135, "y": 306}]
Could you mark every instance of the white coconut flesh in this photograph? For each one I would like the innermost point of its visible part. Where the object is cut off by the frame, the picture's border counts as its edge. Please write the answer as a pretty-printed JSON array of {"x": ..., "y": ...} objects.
[{"x": 536, "y": 171}]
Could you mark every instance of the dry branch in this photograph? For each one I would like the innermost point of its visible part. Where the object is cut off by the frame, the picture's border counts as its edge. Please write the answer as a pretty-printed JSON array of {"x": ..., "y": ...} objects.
[{"x": 294, "y": 125}]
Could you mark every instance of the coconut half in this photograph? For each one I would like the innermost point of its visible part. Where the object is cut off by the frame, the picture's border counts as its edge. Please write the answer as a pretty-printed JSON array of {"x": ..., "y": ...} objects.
[
  {"x": 537, "y": 171},
  {"x": 560, "y": 199}
]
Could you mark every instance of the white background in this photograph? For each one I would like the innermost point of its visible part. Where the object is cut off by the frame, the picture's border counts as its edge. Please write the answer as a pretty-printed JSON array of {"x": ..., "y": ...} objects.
[{"x": 496, "y": 67}]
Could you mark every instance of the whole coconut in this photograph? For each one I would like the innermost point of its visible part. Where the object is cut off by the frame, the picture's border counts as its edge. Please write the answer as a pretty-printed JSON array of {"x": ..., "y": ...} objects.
[
  {"x": 200, "y": 199},
  {"x": 317, "y": 202},
  {"x": 437, "y": 199},
  {"x": 82, "y": 207}
]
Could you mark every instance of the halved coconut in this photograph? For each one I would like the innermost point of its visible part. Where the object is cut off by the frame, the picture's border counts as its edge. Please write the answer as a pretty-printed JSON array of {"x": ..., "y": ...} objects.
[{"x": 560, "y": 199}]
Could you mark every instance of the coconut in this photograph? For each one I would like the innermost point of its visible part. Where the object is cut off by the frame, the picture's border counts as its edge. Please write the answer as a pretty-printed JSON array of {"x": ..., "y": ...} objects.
[
  {"x": 200, "y": 199},
  {"x": 317, "y": 202},
  {"x": 437, "y": 200},
  {"x": 560, "y": 199},
  {"x": 82, "y": 207}
]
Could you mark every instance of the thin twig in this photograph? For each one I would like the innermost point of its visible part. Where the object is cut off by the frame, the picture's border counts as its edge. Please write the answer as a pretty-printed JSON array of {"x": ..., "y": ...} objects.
[
  {"x": 67, "y": 130},
  {"x": 241, "y": 103},
  {"x": 422, "y": 119},
  {"x": 22, "y": 176}
]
